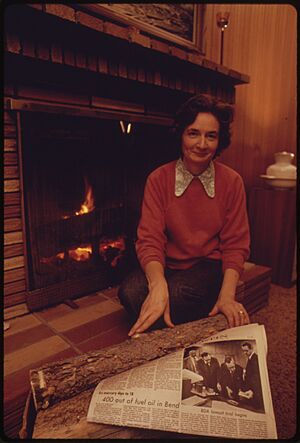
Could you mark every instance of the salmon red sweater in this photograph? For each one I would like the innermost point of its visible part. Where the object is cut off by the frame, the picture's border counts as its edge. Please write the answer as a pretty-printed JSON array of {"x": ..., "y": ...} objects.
[{"x": 178, "y": 231}]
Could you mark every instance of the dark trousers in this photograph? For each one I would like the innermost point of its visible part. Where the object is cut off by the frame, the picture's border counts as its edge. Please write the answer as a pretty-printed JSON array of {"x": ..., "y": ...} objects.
[{"x": 192, "y": 292}]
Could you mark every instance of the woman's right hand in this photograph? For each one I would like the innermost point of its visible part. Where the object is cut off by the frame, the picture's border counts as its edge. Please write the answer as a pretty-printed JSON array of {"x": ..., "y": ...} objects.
[{"x": 155, "y": 305}]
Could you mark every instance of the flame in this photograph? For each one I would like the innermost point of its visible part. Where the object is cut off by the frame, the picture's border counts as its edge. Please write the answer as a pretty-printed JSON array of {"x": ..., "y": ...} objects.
[
  {"x": 110, "y": 249},
  {"x": 88, "y": 204},
  {"x": 53, "y": 259},
  {"x": 82, "y": 253}
]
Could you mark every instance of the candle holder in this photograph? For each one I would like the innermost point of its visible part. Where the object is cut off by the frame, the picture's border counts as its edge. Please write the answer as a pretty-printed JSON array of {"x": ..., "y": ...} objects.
[{"x": 222, "y": 22}]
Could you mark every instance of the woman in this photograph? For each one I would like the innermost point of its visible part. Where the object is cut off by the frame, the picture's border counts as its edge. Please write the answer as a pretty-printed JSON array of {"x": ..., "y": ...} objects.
[{"x": 193, "y": 235}]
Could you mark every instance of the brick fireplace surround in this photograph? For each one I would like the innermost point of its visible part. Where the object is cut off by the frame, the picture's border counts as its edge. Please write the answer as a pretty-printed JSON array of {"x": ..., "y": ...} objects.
[{"x": 73, "y": 61}]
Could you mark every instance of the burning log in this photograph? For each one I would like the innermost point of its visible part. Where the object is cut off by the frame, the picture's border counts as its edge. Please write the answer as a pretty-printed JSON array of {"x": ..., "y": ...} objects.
[
  {"x": 71, "y": 231},
  {"x": 61, "y": 380}
]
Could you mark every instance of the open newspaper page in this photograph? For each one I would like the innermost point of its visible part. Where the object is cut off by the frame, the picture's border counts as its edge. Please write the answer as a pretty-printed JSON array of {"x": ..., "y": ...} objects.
[{"x": 217, "y": 387}]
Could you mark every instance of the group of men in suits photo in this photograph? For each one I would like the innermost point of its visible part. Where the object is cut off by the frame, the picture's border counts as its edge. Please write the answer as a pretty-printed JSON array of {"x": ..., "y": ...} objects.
[{"x": 240, "y": 385}]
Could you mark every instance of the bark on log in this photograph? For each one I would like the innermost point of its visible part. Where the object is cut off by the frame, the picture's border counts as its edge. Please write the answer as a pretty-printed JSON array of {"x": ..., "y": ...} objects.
[{"x": 64, "y": 379}]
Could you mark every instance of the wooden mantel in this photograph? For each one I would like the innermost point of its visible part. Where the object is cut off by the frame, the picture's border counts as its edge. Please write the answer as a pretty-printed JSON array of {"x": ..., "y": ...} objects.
[{"x": 86, "y": 40}]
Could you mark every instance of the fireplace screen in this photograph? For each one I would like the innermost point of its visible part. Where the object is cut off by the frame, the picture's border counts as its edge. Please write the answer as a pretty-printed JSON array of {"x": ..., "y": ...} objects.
[{"x": 83, "y": 186}]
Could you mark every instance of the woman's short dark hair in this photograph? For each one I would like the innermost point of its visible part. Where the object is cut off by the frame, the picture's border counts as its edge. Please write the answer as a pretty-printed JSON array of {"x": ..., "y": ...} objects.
[{"x": 188, "y": 112}]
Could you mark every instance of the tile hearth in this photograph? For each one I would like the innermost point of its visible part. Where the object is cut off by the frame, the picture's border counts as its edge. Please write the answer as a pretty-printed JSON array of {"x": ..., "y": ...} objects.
[{"x": 52, "y": 334}]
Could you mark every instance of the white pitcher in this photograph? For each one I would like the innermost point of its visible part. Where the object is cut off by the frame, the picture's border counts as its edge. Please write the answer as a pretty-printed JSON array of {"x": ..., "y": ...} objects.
[{"x": 283, "y": 168}]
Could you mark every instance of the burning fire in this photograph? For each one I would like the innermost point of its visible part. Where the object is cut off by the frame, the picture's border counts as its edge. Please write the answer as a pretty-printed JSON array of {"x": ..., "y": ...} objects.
[
  {"x": 110, "y": 249},
  {"x": 88, "y": 204},
  {"x": 81, "y": 253}
]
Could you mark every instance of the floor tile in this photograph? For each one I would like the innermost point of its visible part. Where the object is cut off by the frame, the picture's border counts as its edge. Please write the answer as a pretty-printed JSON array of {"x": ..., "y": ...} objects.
[
  {"x": 83, "y": 315},
  {"x": 96, "y": 327},
  {"x": 53, "y": 312},
  {"x": 21, "y": 324},
  {"x": 22, "y": 339},
  {"x": 30, "y": 355},
  {"x": 108, "y": 338},
  {"x": 89, "y": 300}
]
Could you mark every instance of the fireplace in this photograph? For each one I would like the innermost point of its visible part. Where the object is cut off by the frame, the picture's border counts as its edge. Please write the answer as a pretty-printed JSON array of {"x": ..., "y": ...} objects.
[
  {"x": 83, "y": 187},
  {"x": 88, "y": 103}
]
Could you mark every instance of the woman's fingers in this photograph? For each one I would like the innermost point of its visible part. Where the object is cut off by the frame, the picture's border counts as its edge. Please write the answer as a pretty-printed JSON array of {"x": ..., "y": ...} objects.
[
  {"x": 242, "y": 316},
  {"x": 143, "y": 316},
  {"x": 148, "y": 316},
  {"x": 235, "y": 313},
  {"x": 143, "y": 323}
]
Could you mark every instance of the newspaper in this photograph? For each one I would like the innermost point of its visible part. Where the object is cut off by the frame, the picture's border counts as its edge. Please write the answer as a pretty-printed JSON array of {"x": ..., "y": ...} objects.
[{"x": 227, "y": 397}]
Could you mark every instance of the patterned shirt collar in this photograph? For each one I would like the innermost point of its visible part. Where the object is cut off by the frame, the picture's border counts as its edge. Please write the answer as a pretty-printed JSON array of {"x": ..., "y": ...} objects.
[{"x": 183, "y": 178}]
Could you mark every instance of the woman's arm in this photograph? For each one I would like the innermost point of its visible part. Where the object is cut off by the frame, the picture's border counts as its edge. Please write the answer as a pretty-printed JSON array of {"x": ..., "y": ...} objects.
[
  {"x": 150, "y": 248},
  {"x": 156, "y": 303}
]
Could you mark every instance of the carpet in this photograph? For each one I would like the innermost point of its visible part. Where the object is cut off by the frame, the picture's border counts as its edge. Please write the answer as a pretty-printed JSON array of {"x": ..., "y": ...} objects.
[{"x": 279, "y": 318}]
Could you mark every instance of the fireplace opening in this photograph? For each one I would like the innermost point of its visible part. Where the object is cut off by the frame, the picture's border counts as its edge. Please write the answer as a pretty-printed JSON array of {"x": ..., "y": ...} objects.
[{"x": 83, "y": 185}]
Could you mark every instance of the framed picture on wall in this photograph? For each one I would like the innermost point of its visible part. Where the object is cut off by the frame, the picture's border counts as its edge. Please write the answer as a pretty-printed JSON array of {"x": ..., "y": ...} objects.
[{"x": 181, "y": 23}]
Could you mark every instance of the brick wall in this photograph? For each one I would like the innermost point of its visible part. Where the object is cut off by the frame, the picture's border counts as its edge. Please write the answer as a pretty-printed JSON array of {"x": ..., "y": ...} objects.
[{"x": 14, "y": 270}]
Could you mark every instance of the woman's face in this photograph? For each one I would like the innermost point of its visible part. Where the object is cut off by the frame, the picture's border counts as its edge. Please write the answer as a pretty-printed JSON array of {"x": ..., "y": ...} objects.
[{"x": 200, "y": 141}]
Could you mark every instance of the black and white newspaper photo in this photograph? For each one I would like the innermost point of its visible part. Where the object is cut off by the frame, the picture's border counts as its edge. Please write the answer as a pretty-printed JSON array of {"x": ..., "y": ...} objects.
[{"x": 217, "y": 387}]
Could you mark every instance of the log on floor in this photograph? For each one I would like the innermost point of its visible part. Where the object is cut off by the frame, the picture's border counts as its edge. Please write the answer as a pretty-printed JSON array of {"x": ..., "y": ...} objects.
[{"x": 64, "y": 379}]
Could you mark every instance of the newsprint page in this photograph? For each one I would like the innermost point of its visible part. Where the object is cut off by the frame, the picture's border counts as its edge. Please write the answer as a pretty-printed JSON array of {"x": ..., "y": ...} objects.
[{"x": 217, "y": 387}]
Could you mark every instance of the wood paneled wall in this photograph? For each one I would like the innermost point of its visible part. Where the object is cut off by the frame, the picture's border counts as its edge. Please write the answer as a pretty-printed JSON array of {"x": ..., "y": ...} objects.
[{"x": 260, "y": 41}]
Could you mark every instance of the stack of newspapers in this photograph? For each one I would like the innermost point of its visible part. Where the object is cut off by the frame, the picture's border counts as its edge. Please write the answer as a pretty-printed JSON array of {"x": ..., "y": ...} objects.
[{"x": 254, "y": 287}]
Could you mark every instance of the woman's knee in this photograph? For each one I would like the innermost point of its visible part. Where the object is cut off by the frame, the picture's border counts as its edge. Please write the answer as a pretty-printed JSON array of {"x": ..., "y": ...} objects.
[
  {"x": 188, "y": 303},
  {"x": 180, "y": 290}
]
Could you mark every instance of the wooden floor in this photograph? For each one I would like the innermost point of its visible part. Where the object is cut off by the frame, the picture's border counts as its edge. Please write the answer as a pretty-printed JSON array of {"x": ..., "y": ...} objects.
[{"x": 52, "y": 334}]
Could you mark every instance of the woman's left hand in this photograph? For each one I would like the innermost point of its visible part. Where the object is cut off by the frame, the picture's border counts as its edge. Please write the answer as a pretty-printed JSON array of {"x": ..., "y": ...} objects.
[{"x": 234, "y": 311}]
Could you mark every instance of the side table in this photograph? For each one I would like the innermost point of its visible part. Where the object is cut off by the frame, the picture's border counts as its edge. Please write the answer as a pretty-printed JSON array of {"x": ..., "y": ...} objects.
[{"x": 272, "y": 218}]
